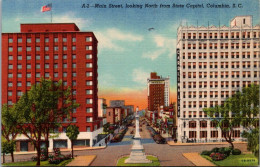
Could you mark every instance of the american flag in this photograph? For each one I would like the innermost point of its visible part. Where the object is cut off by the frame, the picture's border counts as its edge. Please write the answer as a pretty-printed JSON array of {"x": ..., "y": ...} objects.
[{"x": 46, "y": 8}]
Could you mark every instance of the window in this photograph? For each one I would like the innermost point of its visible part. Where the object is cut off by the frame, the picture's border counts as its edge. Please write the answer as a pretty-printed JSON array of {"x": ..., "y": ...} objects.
[
  {"x": 10, "y": 84},
  {"x": 73, "y": 39},
  {"x": 64, "y": 74},
  {"x": 88, "y": 47},
  {"x": 73, "y": 47},
  {"x": 55, "y": 65},
  {"x": 56, "y": 48},
  {"x": 89, "y": 83},
  {"x": 88, "y": 74},
  {"x": 38, "y": 75},
  {"x": 244, "y": 21},
  {"x": 10, "y": 66},
  {"x": 56, "y": 57},
  {"x": 38, "y": 66},
  {"x": 19, "y": 93},
  {"x": 89, "y": 119},
  {"x": 19, "y": 75},
  {"x": 10, "y": 40},
  {"x": 192, "y": 134},
  {"x": 65, "y": 65},
  {"x": 46, "y": 39},
  {"x": 64, "y": 39},
  {"x": 73, "y": 65},
  {"x": 46, "y": 48},
  {"x": 64, "y": 57},
  {"x": 64, "y": 129},
  {"x": 56, "y": 75},
  {"x": 37, "y": 40},
  {"x": 74, "y": 119},
  {"x": 88, "y": 56},
  {"x": 10, "y": 57},
  {"x": 19, "y": 66},
  {"x": 29, "y": 40},
  {"x": 73, "y": 56},
  {"x": 28, "y": 57},
  {"x": 47, "y": 75},
  {"x": 28, "y": 66},
  {"x": 88, "y": 92},
  {"x": 88, "y": 39},
  {"x": 203, "y": 134},
  {"x": 214, "y": 134},
  {"x": 88, "y": 101},
  {"x": 10, "y": 93},
  {"x": 74, "y": 74},
  {"x": 65, "y": 83},
  {"x": 203, "y": 124},
  {"x": 56, "y": 39},
  {"x": 88, "y": 129},
  {"x": 89, "y": 110},
  {"x": 74, "y": 92},
  {"x": 88, "y": 65},
  {"x": 47, "y": 66},
  {"x": 19, "y": 49},
  {"x": 74, "y": 83},
  {"x": 192, "y": 124},
  {"x": 19, "y": 84},
  {"x": 28, "y": 48},
  {"x": 37, "y": 48},
  {"x": 20, "y": 40},
  {"x": 74, "y": 110},
  {"x": 9, "y": 102}
]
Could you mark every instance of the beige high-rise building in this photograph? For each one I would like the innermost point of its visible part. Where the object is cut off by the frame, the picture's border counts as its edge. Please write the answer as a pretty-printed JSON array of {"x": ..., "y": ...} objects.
[{"x": 212, "y": 64}]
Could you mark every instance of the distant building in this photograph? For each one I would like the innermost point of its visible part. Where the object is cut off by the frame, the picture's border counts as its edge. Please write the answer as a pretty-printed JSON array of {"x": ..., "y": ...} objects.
[
  {"x": 117, "y": 103},
  {"x": 102, "y": 109},
  {"x": 212, "y": 64},
  {"x": 62, "y": 52},
  {"x": 158, "y": 91}
]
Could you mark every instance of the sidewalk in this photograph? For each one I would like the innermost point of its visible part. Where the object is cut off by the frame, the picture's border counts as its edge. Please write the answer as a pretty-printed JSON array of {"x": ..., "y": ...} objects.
[
  {"x": 172, "y": 143},
  {"x": 85, "y": 160},
  {"x": 65, "y": 150},
  {"x": 197, "y": 160}
]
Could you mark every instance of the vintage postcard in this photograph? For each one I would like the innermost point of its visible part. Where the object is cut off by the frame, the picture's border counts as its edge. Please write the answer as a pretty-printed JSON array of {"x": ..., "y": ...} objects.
[{"x": 130, "y": 82}]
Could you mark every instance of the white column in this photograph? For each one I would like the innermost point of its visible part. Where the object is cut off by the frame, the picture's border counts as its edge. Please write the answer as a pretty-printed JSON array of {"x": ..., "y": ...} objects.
[
  {"x": 69, "y": 143},
  {"x": 208, "y": 131},
  {"x": 50, "y": 144}
]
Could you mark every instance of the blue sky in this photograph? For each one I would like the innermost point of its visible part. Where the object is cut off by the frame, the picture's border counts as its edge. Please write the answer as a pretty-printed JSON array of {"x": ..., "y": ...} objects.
[{"x": 128, "y": 52}]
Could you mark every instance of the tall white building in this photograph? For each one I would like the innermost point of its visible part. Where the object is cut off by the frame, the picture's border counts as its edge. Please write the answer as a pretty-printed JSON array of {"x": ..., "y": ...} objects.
[{"x": 212, "y": 63}]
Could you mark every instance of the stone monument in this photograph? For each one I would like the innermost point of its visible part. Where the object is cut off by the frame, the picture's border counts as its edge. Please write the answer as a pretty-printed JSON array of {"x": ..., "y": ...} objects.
[{"x": 137, "y": 154}]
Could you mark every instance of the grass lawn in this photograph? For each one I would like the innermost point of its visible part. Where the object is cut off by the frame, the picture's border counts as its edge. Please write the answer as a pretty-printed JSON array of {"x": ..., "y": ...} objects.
[
  {"x": 155, "y": 162},
  {"x": 236, "y": 160},
  {"x": 33, "y": 163}
]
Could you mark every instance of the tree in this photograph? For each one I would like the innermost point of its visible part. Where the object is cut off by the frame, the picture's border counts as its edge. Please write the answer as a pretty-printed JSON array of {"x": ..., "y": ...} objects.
[
  {"x": 7, "y": 147},
  {"x": 42, "y": 109},
  {"x": 10, "y": 121},
  {"x": 72, "y": 132},
  {"x": 240, "y": 109},
  {"x": 252, "y": 140}
]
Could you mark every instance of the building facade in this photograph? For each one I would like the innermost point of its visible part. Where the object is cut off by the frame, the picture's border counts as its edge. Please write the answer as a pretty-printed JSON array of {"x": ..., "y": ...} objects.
[
  {"x": 102, "y": 105},
  {"x": 212, "y": 64},
  {"x": 117, "y": 103},
  {"x": 158, "y": 89},
  {"x": 60, "y": 52}
]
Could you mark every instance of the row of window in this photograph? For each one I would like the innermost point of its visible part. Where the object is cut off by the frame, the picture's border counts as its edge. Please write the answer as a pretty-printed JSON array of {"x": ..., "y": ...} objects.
[
  {"x": 201, "y": 104},
  {"x": 47, "y": 66},
  {"x": 55, "y": 39},
  {"x": 244, "y": 74},
  {"x": 213, "y": 134},
  {"x": 221, "y": 35},
  {"x": 204, "y": 65},
  {"x": 46, "y": 48},
  {"x": 215, "y": 55},
  {"x": 47, "y": 75},
  {"x": 221, "y": 46},
  {"x": 46, "y": 57}
]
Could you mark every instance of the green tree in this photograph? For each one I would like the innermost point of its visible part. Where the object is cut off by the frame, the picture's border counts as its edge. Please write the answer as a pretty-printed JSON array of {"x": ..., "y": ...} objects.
[
  {"x": 7, "y": 147},
  {"x": 10, "y": 121},
  {"x": 252, "y": 141},
  {"x": 240, "y": 109},
  {"x": 42, "y": 109},
  {"x": 72, "y": 132}
]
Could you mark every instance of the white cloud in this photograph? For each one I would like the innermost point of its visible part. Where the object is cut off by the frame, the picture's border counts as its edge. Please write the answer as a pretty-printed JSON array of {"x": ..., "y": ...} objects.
[
  {"x": 164, "y": 45},
  {"x": 70, "y": 17},
  {"x": 140, "y": 76},
  {"x": 106, "y": 80},
  {"x": 112, "y": 38}
]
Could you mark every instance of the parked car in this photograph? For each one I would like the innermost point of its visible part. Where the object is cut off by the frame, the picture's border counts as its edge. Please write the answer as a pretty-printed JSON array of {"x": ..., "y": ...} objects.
[{"x": 159, "y": 139}]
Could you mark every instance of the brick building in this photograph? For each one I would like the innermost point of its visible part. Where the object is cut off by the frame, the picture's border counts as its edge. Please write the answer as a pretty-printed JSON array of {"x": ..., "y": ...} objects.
[
  {"x": 212, "y": 64},
  {"x": 62, "y": 52},
  {"x": 158, "y": 91}
]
